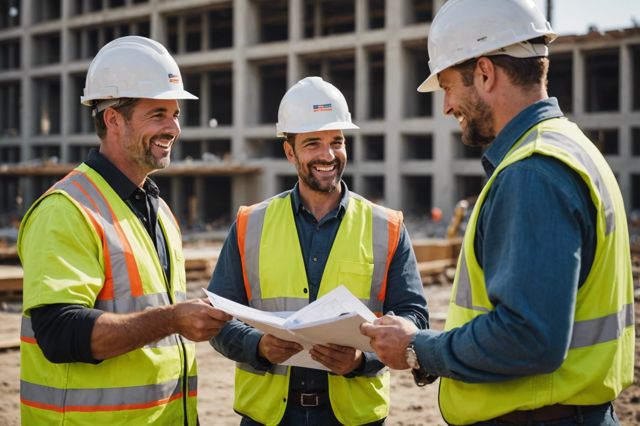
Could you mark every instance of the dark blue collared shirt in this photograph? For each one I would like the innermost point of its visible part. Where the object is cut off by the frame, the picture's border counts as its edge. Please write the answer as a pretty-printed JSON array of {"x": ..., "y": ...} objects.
[
  {"x": 535, "y": 241},
  {"x": 239, "y": 342}
]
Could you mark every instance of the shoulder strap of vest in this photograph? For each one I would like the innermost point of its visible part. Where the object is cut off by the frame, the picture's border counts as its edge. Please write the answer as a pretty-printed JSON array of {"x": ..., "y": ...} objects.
[
  {"x": 120, "y": 263},
  {"x": 249, "y": 222},
  {"x": 393, "y": 221}
]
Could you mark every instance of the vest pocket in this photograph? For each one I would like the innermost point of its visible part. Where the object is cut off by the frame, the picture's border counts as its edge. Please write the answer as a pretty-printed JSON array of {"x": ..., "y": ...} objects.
[{"x": 356, "y": 277}]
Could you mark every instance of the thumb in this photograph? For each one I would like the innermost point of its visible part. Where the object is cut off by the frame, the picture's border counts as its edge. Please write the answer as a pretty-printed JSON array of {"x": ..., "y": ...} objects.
[{"x": 368, "y": 329}]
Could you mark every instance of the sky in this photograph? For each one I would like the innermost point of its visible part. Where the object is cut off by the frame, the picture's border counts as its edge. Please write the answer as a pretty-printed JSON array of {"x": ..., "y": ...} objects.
[{"x": 575, "y": 16}]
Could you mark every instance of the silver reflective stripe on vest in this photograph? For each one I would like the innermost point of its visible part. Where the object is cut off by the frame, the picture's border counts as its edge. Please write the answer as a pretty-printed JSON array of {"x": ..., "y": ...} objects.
[
  {"x": 600, "y": 330},
  {"x": 252, "y": 239},
  {"x": 101, "y": 399},
  {"x": 380, "y": 251},
  {"x": 179, "y": 296},
  {"x": 133, "y": 304},
  {"x": 280, "y": 370},
  {"x": 192, "y": 381},
  {"x": 279, "y": 304},
  {"x": 26, "y": 330},
  {"x": 581, "y": 156},
  {"x": 463, "y": 293},
  {"x": 92, "y": 200}
]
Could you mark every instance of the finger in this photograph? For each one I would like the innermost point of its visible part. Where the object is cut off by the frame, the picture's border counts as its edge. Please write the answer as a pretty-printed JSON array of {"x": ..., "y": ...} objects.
[{"x": 368, "y": 329}]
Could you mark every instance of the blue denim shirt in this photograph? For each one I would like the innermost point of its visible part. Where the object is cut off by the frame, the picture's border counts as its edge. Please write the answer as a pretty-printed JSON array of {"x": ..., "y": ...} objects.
[
  {"x": 239, "y": 342},
  {"x": 535, "y": 241}
]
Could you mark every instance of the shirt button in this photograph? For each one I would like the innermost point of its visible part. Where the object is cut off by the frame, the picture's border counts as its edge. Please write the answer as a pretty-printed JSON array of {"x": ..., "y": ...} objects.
[
  {"x": 305, "y": 290},
  {"x": 315, "y": 259}
]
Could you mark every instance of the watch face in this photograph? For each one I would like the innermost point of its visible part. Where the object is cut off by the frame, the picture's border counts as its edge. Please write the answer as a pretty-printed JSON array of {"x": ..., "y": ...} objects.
[{"x": 412, "y": 358}]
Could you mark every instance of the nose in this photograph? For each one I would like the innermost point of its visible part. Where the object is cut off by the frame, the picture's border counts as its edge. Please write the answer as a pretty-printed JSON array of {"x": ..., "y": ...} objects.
[
  {"x": 173, "y": 126},
  {"x": 447, "y": 109},
  {"x": 327, "y": 152}
]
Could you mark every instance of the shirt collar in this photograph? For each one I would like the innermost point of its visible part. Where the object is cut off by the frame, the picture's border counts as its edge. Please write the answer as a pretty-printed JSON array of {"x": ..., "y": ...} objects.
[
  {"x": 115, "y": 178},
  {"x": 298, "y": 205},
  {"x": 511, "y": 133}
]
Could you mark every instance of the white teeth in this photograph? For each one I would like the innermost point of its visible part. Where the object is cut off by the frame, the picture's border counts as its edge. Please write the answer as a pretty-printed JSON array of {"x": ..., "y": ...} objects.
[
  {"x": 460, "y": 119},
  {"x": 162, "y": 146},
  {"x": 324, "y": 168}
]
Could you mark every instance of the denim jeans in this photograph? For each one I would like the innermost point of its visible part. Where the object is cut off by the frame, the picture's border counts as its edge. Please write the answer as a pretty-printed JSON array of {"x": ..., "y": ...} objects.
[{"x": 604, "y": 416}]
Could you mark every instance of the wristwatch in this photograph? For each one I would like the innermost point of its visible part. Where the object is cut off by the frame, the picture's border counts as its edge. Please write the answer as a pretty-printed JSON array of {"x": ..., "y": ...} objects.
[
  {"x": 412, "y": 358},
  {"x": 420, "y": 375}
]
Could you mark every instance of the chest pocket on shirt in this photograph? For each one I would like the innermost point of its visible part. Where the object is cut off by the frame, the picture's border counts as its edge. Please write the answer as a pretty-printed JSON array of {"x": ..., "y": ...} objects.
[{"x": 356, "y": 277}]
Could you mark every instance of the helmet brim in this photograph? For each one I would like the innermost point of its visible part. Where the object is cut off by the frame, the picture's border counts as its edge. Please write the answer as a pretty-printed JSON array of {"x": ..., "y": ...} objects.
[
  {"x": 431, "y": 84},
  {"x": 336, "y": 125}
]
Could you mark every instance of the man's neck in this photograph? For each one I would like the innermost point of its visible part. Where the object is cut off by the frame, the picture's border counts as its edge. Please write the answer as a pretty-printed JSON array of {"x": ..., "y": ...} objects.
[
  {"x": 512, "y": 103},
  {"x": 319, "y": 203},
  {"x": 129, "y": 170}
]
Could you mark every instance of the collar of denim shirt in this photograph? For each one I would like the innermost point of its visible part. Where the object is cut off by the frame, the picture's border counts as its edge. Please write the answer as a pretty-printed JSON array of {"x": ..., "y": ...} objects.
[
  {"x": 338, "y": 212},
  {"x": 527, "y": 118}
]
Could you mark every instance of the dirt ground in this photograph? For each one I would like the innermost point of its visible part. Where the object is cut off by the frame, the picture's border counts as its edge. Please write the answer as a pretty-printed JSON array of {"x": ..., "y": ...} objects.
[{"x": 410, "y": 405}]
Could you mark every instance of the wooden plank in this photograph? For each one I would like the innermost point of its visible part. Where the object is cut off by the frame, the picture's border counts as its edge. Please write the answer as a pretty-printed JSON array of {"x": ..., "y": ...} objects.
[{"x": 10, "y": 278}]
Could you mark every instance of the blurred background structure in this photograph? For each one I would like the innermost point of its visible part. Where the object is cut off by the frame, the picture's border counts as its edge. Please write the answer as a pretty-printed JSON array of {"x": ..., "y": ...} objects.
[{"x": 240, "y": 56}]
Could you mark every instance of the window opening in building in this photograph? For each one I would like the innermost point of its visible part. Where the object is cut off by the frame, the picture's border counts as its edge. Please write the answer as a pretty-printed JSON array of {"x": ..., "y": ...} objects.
[
  {"x": 606, "y": 140},
  {"x": 602, "y": 81},
  {"x": 560, "y": 80},
  {"x": 376, "y": 84},
  {"x": 375, "y": 8},
  {"x": 416, "y": 59},
  {"x": 417, "y": 147},
  {"x": 328, "y": 17},
  {"x": 373, "y": 188},
  {"x": 417, "y": 194},
  {"x": 373, "y": 147}
]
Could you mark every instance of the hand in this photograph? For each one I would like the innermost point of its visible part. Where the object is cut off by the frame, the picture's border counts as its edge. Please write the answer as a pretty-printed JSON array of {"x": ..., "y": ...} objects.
[
  {"x": 197, "y": 320},
  {"x": 276, "y": 350},
  {"x": 339, "y": 359},
  {"x": 390, "y": 336}
]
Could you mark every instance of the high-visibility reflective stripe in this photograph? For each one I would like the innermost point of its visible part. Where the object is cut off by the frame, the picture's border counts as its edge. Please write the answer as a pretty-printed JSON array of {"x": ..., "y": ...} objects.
[
  {"x": 581, "y": 156},
  {"x": 252, "y": 240},
  {"x": 26, "y": 330},
  {"x": 126, "y": 278},
  {"x": 386, "y": 235},
  {"x": 102, "y": 399},
  {"x": 133, "y": 304},
  {"x": 600, "y": 330},
  {"x": 280, "y": 370},
  {"x": 463, "y": 293},
  {"x": 279, "y": 304},
  {"x": 585, "y": 333}
]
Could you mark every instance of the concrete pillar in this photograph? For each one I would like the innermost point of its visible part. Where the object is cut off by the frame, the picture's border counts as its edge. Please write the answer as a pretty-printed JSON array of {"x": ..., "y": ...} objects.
[
  {"x": 393, "y": 96},
  {"x": 296, "y": 20},
  {"x": 157, "y": 30}
]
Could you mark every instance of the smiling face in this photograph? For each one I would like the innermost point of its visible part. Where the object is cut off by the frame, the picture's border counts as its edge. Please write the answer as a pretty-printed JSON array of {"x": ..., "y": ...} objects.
[
  {"x": 463, "y": 102},
  {"x": 320, "y": 158},
  {"x": 141, "y": 143}
]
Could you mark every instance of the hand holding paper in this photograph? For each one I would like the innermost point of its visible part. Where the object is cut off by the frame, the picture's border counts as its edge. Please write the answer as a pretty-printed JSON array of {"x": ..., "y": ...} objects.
[{"x": 333, "y": 318}]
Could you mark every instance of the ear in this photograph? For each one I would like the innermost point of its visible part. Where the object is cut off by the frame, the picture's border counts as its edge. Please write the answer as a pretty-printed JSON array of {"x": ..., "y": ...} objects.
[
  {"x": 113, "y": 120},
  {"x": 288, "y": 151},
  {"x": 485, "y": 74}
]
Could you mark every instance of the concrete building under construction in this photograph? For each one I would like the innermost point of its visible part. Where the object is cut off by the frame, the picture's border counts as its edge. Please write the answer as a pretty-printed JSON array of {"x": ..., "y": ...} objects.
[{"x": 240, "y": 56}]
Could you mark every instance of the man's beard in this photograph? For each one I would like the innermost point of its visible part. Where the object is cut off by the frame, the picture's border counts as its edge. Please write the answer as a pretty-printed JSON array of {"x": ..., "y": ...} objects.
[
  {"x": 310, "y": 180},
  {"x": 478, "y": 131}
]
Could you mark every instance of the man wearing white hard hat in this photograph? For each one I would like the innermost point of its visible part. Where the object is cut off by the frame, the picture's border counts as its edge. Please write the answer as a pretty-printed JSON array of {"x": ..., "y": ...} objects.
[
  {"x": 287, "y": 251},
  {"x": 540, "y": 325},
  {"x": 106, "y": 320}
]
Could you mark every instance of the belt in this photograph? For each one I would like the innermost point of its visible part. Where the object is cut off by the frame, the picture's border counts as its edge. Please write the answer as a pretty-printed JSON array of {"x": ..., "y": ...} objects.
[
  {"x": 548, "y": 413},
  {"x": 304, "y": 399}
]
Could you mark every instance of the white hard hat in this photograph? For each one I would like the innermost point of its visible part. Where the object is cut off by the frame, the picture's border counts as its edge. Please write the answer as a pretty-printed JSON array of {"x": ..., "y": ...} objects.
[
  {"x": 133, "y": 67},
  {"x": 313, "y": 105},
  {"x": 466, "y": 29}
]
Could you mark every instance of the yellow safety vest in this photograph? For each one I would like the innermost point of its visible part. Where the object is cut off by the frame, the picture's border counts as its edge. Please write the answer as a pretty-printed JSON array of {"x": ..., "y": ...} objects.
[
  {"x": 153, "y": 384},
  {"x": 599, "y": 363},
  {"x": 275, "y": 280}
]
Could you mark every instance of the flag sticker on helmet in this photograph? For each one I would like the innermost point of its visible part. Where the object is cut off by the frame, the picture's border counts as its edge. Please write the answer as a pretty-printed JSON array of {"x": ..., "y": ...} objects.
[
  {"x": 173, "y": 78},
  {"x": 322, "y": 108}
]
